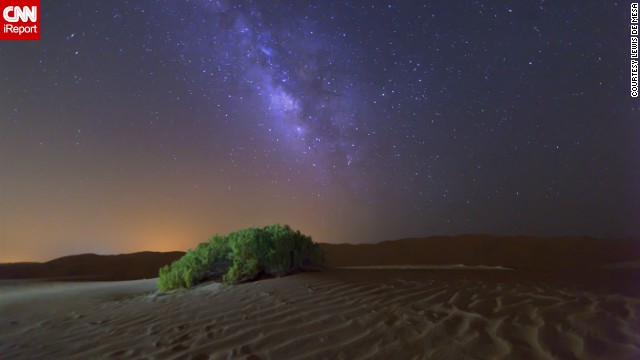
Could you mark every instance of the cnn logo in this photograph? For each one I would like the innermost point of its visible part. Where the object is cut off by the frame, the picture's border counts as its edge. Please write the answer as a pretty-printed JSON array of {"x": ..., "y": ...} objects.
[
  {"x": 20, "y": 20},
  {"x": 15, "y": 13}
]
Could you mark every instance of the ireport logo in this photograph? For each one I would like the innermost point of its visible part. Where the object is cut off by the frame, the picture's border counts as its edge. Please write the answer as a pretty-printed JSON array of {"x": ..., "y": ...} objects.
[{"x": 20, "y": 20}]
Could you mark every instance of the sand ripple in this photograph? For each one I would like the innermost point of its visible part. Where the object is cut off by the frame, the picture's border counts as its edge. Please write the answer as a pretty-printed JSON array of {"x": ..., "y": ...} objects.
[{"x": 343, "y": 314}]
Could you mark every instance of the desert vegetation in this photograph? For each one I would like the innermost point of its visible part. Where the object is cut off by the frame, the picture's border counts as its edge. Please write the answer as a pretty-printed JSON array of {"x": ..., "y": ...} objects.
[{"x": 243, "y": 255}]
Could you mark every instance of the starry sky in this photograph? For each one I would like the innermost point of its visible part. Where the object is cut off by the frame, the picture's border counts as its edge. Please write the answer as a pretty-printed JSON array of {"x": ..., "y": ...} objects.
[{"x": 151, "y": 125}]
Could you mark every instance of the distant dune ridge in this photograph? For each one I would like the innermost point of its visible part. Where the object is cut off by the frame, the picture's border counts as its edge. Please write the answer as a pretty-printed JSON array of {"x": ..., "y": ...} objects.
[
  {"x": 530, "y": 253},
  {"x": 93, "y": 267},
  {"x": 520, "y": 252},
  {"x": 515, "y": 298}
]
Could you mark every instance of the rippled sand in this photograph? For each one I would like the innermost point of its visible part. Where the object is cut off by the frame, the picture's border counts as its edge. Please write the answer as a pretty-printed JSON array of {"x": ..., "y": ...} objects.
[{"x": 338, "y": 314}]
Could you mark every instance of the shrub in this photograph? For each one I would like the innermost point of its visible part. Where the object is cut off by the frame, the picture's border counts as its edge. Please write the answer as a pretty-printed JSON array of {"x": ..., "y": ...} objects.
[
  {"x": 207, "y": 260},
  {"x": 243, "y": 255}
]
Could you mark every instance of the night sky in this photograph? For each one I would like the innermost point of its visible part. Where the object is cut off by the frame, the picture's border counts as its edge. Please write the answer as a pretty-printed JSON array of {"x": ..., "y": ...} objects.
[{"x": 151, "y": 125}]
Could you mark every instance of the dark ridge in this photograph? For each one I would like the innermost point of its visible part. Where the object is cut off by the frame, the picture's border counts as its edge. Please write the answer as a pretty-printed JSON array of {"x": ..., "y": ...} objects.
[
  {"x": 93, "y": 267},
  {"x": 523, "y": 252}
]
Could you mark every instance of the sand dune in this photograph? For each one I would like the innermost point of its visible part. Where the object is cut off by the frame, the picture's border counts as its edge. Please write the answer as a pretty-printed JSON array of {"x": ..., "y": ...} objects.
[
  {"x": 410, "y": 299},
  {"x": 540, "y": 254},
  {"x": 521, "y": 252},
  {"x": 339, "y": 314},
  {"x": 93, "y": 267},
  {"x": 426, "y": 267}
]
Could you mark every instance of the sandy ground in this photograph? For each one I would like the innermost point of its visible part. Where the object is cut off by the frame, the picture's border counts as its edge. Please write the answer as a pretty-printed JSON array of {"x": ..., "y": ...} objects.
[{"x": 338, "y": 314}]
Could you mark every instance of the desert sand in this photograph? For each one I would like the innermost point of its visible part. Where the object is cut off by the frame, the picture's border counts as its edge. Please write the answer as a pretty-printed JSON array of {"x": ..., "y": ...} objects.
[{"x": 395, "y": 308}]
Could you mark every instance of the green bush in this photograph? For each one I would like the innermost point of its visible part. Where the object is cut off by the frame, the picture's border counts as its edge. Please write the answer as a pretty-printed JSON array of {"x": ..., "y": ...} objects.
[{"x": 243, "y": 255}]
